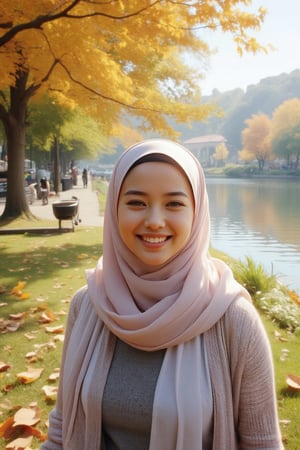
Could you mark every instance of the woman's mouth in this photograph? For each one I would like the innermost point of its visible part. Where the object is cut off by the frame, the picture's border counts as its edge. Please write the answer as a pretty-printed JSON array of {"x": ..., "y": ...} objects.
[{"x": 154, "y": 239}]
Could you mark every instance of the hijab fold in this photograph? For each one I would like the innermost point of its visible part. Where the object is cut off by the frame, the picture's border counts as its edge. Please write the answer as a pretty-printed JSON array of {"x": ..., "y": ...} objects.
[{"x": 168, "y": 307}]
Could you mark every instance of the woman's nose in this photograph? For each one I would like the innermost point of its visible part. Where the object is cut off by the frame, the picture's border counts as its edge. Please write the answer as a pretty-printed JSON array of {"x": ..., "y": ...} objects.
[{"x": 155, "y": 218}]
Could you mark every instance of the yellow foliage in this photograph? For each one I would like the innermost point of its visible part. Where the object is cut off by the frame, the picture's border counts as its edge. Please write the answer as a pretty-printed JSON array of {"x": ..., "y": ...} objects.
[
  {"x": 221, "y": 152},
  {"x": 286, "y": 117},
  {"x": 256, "y": 138},
  {"x": 115, "y": 57}
]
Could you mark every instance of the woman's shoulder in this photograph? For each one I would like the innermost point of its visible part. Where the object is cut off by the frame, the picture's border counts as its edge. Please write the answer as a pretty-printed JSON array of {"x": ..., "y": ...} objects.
[
  {"x": 78, "y": 299},
  {"x": 242, "y": 309},
  {"x": 243, "y": 320}
]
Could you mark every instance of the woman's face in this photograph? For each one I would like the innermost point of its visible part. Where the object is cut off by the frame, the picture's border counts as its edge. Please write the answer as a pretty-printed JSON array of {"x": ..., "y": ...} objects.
[{"x": 155, "y": 212}]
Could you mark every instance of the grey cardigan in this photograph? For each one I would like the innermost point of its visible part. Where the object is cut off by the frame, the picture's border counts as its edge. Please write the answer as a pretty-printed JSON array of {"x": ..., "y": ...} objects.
[{"x": 240, "y": 363}]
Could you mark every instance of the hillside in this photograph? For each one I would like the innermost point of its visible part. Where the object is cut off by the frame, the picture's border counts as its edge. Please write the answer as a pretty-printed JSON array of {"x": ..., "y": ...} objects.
[{"x": 239, "y": 105}]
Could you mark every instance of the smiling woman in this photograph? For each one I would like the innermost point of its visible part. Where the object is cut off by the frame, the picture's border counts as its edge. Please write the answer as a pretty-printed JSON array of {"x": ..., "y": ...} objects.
[{"x": 163, "y": 347}]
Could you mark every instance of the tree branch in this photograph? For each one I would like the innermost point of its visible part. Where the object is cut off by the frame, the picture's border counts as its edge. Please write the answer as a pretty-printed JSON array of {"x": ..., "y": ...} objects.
[
  {"x": 99, "y": 94},
  {"x": 35, "y": 23},
  {"x": 41, "y": 20}
]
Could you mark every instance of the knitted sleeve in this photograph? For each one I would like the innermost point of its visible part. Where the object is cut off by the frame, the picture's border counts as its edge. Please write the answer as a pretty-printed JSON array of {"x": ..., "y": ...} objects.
[
  {"x": 54, "y": 440},
  {"x": 253, "y": 381}
]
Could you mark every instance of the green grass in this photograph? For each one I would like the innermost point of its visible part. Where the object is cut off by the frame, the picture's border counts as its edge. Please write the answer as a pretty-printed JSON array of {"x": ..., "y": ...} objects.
[
  {"x": 286, "y": 353},
  {"x": 100, "y": 187},
  {"x": 53, "y": 268}
]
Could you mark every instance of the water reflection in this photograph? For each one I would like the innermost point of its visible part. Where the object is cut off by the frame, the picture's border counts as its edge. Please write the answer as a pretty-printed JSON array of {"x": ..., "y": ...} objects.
[{"x": 258, "y": 218}]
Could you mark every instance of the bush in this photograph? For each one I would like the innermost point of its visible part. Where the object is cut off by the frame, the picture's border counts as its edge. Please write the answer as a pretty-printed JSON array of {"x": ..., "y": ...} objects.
[
  {"x": 237, "y": 171},
  {"x": 278, "y": 305},
  {"x": 253, "y": 277},
  {"x": 276, "y": 301}
]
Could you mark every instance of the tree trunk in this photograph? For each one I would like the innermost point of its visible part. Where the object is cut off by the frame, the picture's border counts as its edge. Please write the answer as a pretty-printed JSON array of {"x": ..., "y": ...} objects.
[
  {"x": 16, "y": 202},
  {"x": 14, "y": 122},
  {"x": 56, "y": 165}
]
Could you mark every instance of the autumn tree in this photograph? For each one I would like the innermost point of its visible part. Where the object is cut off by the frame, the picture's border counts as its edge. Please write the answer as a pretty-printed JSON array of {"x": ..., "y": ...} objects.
[
  {"x": 256, "y": 139},
  {"x": 286, "y": 131},
  {"x": 112, "y": 59},
  {"x": 221, "y": 153}
]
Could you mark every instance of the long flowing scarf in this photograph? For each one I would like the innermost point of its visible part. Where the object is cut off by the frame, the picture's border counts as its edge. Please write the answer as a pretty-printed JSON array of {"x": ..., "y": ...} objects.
[{"x": 167, "y": 307}]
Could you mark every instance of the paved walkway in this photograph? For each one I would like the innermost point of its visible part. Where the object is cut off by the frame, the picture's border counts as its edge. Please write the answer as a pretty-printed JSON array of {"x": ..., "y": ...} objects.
[{"x": 88, "y": 205}]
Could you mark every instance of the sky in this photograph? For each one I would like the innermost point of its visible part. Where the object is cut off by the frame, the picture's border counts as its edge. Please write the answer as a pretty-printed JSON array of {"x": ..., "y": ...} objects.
[{"x": 227, "y": 70}]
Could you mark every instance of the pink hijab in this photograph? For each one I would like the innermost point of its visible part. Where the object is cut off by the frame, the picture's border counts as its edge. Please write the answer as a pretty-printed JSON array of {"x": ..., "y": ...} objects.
[{"x": 162, "y": 308}]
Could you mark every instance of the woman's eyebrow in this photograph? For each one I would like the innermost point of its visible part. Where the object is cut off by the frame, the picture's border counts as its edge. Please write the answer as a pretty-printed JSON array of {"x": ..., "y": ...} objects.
[
  {"x": 134, "y": 192},
  {"x": 172, "y": 194}
]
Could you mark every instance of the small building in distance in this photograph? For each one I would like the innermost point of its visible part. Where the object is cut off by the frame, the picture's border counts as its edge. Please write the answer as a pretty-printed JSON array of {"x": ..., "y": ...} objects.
[{"x": 203, "y": 147}]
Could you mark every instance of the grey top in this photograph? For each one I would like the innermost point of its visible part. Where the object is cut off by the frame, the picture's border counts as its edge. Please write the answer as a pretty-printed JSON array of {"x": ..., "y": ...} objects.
[{"x": 128, "y": 399}]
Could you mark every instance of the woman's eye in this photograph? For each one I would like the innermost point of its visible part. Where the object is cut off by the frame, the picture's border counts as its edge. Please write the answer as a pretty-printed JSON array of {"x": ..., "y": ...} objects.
[
  {"x": 136, "y": 203},
  {"x": 175, "y": 204}
]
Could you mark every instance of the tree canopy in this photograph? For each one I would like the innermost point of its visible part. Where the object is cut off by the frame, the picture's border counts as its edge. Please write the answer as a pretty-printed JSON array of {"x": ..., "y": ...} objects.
[
  {"x": 257, "y": 139},
  {"x": 286, "y": 131},
  {"x": 112, "y": 59}
]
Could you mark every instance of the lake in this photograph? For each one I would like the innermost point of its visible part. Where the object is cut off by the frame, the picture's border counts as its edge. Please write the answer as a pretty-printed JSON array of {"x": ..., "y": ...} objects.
[{"x": 259, "y": 218}]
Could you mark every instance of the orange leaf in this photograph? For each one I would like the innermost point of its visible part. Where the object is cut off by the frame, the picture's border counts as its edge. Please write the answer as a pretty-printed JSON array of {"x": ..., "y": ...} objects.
[
  {"x": 30, "y": 375},
  {"x": 18, "y": 288},
  {"x": 24, "y": 296},
  {"x": 58, "y": 329},
  {"x": 4, "y": 426},
  {"x": 47, "y": 317},
  {"x": 4, "y": 367}
]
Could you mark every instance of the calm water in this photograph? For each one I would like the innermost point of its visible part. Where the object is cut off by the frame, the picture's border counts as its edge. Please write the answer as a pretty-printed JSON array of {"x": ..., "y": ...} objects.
[{"x": 260, "y": 219}]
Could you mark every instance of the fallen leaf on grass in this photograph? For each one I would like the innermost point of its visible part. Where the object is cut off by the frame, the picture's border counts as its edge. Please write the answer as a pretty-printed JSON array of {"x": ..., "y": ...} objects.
[
  {"x": 5, "y": 426},
  {"x": 293, "y": 382},
  {"x": 16, "y": 290},
  {"x": 26, "y": 416},
  {"x": 50, "y": 392},
  {"x": 82, "y": 256},
  {"x": 17, "y": 316},
  {"x": 46, "y": 346},
  {"x": 19, "y": 444},
  {"x": 55, "y": 375},
  {"x": 13, "y": 325},
  {"x": 29, "y": 336},
  {"x": 47, "y": 317},
  {"x": 24, "y": 296},
  {"x": 4, "y": 367},
  {"x": 29, "y": 376},
  {"x": 285, "y": 421},
  {"x": 9, "y": 326},
  {"x": 55, "y": 330},
  {"x": 31, "y": 356}
]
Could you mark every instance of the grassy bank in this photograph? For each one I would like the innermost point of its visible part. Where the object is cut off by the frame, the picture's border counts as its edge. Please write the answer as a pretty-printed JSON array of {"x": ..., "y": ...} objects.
[{"x": 39, "y": 275}]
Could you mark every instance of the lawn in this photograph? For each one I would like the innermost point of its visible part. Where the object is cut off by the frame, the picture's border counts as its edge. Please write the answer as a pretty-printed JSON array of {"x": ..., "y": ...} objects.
[{"x": 39, "y": 274}]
